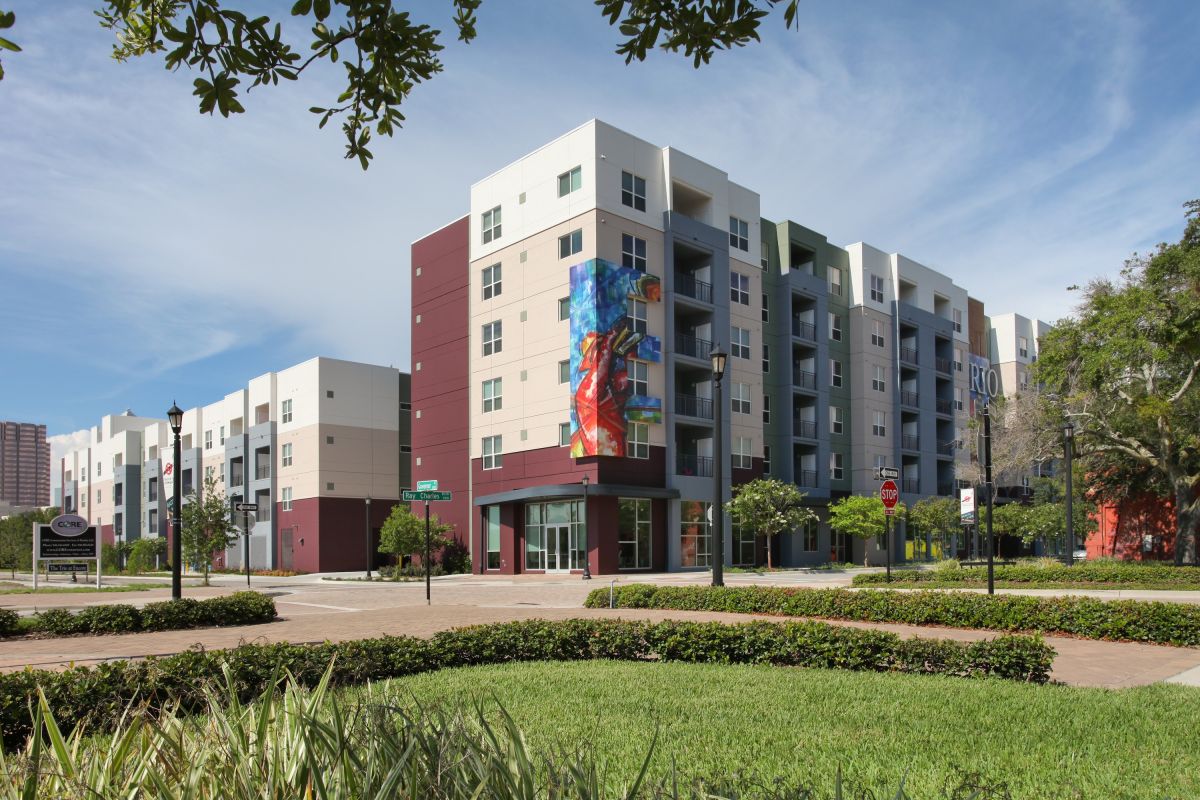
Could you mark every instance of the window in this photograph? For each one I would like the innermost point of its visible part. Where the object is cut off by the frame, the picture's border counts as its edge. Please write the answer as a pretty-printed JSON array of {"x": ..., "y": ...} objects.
[
  {"x": 739, "y": 339},
  {"x": 739, "y": 288},
  {"x": 633, "y": 533},
  {"x": 286, "y": 454},
  {"x": 492, "y": 338},
  {"x": 739, "y": 234},
  {"x": 958, "y": 400},
  {"x": 1023, "y": 347},
  {"x": 286, "y": 411},
  {"x": 835, "y": 327},
  {"x": 222, "y": 439},
  {"x": 208, "y": 440},
  {"x": 493, "y": 452},
  {"x": 808, "y": 537},
  {"x": 835, "y": 280},
  {"x": 836, "y": 471},
  {"x": 564, "y": 371},
  {"x": 879, "y": 424},
  {"x": 564, "y": 434},
  {"x": 765, "y": 258},
  {"x": 637, "y": 440},
  {"x": 958, "y": 359},
  {"x": 880, "y": 462},
  {"x": 285, "y": 498},
  {"x": 152, "y": 521},
  {"x": 877, "y": 288},
  {"x": 766, "y": 359},
  {"x": 329, "y": 487},
  {"x": 877, "y": 333},
  {"x": 766, "y": 409},
  {"x": 741, "y": 452},
  {"x": 491, "y": 282},
  {"x": 328, "y": 440},
  {"x": 570, "y": 243},
  {"x": 564, "y": 308},
  {"x": 570, "y": 182},
  {"x": 766, "y": 311},
  {"x": 99, "y": 499},
  {"x": 152, "y": 489},
  {"x": 694, "y": 541},
  {"x": 766, "y": 459},
  {"x": 490, "y": 224},
  {"x": 835, "y": 373},
  {"x": 221, "y": 471},
  {"x": 740, "y": 397},
  {"x": 633, "y": 191},
  {"x": 879, "y": 380},
  {"x": 637, "y": 316},
  {"x": 1024, "y": 379},
  {"x": 836, "y": 419},
  {"x": 637, "y": 372},
  {"x": 492, "y": 514},
  {"x": 633, "y": 252},
  {"x": 492, "y": 395},
  {"x": 958, "y": 320}
]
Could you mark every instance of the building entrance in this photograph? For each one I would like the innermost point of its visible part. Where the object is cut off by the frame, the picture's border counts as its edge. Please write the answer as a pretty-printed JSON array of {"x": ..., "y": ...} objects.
[{"x": 560, "y": 548}]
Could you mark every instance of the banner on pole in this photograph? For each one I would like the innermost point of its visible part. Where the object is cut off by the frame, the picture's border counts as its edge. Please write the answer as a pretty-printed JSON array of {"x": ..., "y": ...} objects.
[{"x": 966, "y": 506}]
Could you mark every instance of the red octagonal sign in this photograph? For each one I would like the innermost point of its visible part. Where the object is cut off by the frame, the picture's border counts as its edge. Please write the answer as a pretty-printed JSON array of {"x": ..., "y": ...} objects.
[{"x": 889, "y": 494}]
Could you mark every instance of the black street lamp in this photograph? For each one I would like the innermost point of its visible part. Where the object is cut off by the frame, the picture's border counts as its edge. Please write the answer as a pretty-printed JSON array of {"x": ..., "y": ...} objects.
[
  {"x": 367, "y": 535},
  {"x": 587, "y": 570},
  {"x": 990, "y": 488},
  {"x": 718, "y": 541},
  {"x": 1068, "y": 451},
  {"x": 175, "y": 417}
]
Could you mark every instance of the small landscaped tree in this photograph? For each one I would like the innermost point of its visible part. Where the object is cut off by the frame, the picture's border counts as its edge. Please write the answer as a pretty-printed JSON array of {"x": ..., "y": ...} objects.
[
  {"x": 403, "y": 533},
  {"x": 860, "y": 516},
  {"x": 769, "y": 507},
  {"x": 937, "y": 516},
  {"x": 207, "y": 526}
]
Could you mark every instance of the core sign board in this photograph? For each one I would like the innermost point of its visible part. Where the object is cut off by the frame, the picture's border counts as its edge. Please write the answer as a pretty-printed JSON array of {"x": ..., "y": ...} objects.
[{"x": 68, "y": 537}]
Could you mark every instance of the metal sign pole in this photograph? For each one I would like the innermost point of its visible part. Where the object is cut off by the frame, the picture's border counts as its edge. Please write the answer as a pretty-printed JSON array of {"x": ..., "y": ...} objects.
[
  {"x": 36, "y": 542},
  {"x": 887, "y": 532},
  {"x": 246, "y": 530},
  {"x": 428, "y": 601}
]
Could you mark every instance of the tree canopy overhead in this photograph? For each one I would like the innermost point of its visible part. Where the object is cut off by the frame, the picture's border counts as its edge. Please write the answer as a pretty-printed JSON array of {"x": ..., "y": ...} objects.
[{"x": 384, "y": 51}]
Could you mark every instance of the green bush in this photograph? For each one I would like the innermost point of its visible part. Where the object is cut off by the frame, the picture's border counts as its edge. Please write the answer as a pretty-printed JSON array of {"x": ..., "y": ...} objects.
[
  {"x": 99, "y": 695},
  {"x": 10, "y": 622},
  {"x": 1121, "y": 620},
  {"x": 240, "y": 608},
  {"x": 1103, "y": 572}
]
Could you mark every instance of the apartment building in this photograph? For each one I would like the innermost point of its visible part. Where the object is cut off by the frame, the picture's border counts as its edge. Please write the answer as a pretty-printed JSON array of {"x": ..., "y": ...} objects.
[
  {"x": 309, "y": 444},
  {"x": 561, "y": 374},
  {"x": 24, "y": 465}
]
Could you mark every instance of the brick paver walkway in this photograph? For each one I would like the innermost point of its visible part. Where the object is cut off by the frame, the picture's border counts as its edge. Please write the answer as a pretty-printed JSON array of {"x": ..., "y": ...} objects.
[{"x": 341, "y": 611}]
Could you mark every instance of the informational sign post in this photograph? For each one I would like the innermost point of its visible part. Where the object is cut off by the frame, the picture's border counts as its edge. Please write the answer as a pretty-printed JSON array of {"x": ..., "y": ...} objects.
[
  {"x": 68, "y": 538},
  {"x": 889, "y": 494},
  {"x": 425, "y": 495}
]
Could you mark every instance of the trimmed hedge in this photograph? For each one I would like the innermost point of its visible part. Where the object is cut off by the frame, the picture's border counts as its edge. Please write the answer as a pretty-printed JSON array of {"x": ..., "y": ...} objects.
[
  {"x": 97, "y": 696},
  {"x": 240, "y": 608},
  {"x": 1119, "y": 620},
  {"x": 1110, "y": 573},
  {"x": 9, "y": 622}
]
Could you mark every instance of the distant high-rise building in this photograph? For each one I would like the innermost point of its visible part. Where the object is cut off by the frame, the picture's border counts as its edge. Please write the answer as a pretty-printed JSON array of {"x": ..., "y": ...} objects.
[{"x": 24, "y": 464}]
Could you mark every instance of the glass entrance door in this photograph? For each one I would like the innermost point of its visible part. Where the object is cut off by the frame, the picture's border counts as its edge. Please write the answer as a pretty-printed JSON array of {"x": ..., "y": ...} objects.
[{"x": 558, "y": 548}]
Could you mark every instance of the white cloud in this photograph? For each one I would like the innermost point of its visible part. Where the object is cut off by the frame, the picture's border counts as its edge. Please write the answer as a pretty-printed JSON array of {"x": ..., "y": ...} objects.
[{"x": 60, "y": 445}]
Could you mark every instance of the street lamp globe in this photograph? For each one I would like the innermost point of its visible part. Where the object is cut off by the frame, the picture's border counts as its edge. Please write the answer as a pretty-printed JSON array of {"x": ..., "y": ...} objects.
[
  {"x": 1069, "y": 431},
  {"x": 175, "y": 416},
  {"x": 718, "y": 362}
]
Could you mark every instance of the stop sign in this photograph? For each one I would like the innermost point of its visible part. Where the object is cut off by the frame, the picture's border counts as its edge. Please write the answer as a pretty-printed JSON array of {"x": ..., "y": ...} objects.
[{"x": 889, "y": 494}]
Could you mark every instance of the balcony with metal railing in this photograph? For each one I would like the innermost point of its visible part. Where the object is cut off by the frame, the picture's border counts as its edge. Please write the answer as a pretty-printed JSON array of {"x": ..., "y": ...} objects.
[
  {"x": 908, "y": 355},
  {"x": 693, "y": 465},
  {"x": 909, "y": 441},
  {"x": 806, "y": 477},
  {"x": 944, "y": 407},
  {"x": 806, "y": 428},
  {"x": 804, "y": 330},
  {"x": 946, "y": 489},
  {"x": 688, "y": 345},
  {"x": 690, "y": 405},
  {"x": 941, "y": 364},
  {"x": 910, "y": 399},
  {"x": 804, "y": 379},
  {"x": 910, "y": 485},
  {"x": 946, "y": 448},
  {"x": 688, "y": 286}
]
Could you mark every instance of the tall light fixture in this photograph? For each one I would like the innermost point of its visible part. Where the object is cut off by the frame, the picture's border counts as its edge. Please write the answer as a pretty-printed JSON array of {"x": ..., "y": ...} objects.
[
  {"x": 1068, "y": 451},
  {"x": 175, "y": 417},
  {"x": 587, "y": 570},
  {"x": 367, "y": 535},
  {"x": 718, "y": 522}
]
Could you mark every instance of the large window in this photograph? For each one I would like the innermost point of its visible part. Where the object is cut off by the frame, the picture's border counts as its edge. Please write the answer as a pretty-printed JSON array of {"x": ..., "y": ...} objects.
[
  {"x": 808, "y": 537},
  {"x": 694, "y": 541},
  {"x": 491, "y": 282},
  {"x": 633, "y": 533},
  {"x": 547, "y": 545},
  {"x": 739, "y": 288},
  {"x": 570, "y": 243},
  {"x": 739, "y": 342},
  {"x": 633, "y": 252},
  {"x": 633, "y": 191},
  {"x": 489, "y": 223},
  {"x": 493, "y": 537},
  {"x": 637, "y": 316},
  {"x": 638, "y": 372},
  {"x": 877, "y": 288},
  {"x": 744, "y": 542},
  {"x": 493, "y": 452},
  {"x": 739, "y": 394},
  {"x": 570, "y": 181},
  {"x": 493, "y": 340},
  {"x": 742, "y": 452},
  {"x": 637, "y": 440},
  {"x": 493, "y": 395},
  {"x": 739, "y": 234}
]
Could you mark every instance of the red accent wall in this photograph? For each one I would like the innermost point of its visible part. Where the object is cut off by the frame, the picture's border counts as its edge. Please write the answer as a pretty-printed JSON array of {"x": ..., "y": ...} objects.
[
  {"x": 549, "y": 466},
  {"x": 441, "y": 387},
  {"x": 1120, "y": 530},
  {"x": 329, "y": 533}
]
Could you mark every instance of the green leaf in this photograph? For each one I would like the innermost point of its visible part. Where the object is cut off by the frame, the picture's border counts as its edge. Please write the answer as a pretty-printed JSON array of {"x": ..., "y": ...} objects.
[
  {"x": 301, "y": 8},
  {"x": 7, "y": 45}
]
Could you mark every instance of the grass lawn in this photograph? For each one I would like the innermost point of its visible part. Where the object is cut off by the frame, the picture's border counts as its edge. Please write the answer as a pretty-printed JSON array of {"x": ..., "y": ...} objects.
[
  {"x": 900, "y": 583},
  {"x": 801, "y": 725},
  {"x": 16, "y": 588}
]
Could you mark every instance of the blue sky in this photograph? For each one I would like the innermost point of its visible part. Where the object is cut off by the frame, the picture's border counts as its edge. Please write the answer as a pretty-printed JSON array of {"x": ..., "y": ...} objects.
[{"x": 151, "y": 254}]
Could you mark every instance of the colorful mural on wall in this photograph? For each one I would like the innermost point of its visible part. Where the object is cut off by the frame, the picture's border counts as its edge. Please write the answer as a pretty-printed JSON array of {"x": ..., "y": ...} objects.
[{"x": 602, "y": 337}]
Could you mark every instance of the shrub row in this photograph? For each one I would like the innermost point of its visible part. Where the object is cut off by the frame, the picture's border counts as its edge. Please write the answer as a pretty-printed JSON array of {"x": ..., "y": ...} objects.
[
  {"x": 9, "y": 622},
  {"x": 1122, "y": 620},
  {"x": 240, "y": 608},
  {"x": 1116, "y": 573},
  {"x": 99, "y": 695}
]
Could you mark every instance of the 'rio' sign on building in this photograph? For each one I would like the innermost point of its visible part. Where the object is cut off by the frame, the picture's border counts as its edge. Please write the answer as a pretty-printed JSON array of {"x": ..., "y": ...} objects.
[{"x": 984, "y": 381}]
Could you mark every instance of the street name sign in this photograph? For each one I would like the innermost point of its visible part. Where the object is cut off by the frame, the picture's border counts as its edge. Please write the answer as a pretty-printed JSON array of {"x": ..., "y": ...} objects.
[
  {"x": 890, "y": 495},
  {"x": 886, "y": 473},
  {"x": 408, "y": 496},
  {"x": 427, "y": 486}
]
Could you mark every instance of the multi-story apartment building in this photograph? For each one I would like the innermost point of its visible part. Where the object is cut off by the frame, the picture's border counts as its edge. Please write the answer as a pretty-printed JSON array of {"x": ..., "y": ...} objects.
[
  {"x": 562, "y": 381},
  {"x": 309, "y": 444},
  {"x": 24, "y": 464}
]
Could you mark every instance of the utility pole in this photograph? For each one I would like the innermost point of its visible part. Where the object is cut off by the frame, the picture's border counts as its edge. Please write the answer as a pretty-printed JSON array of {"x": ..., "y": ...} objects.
[{"x": 987, "y": 478}]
